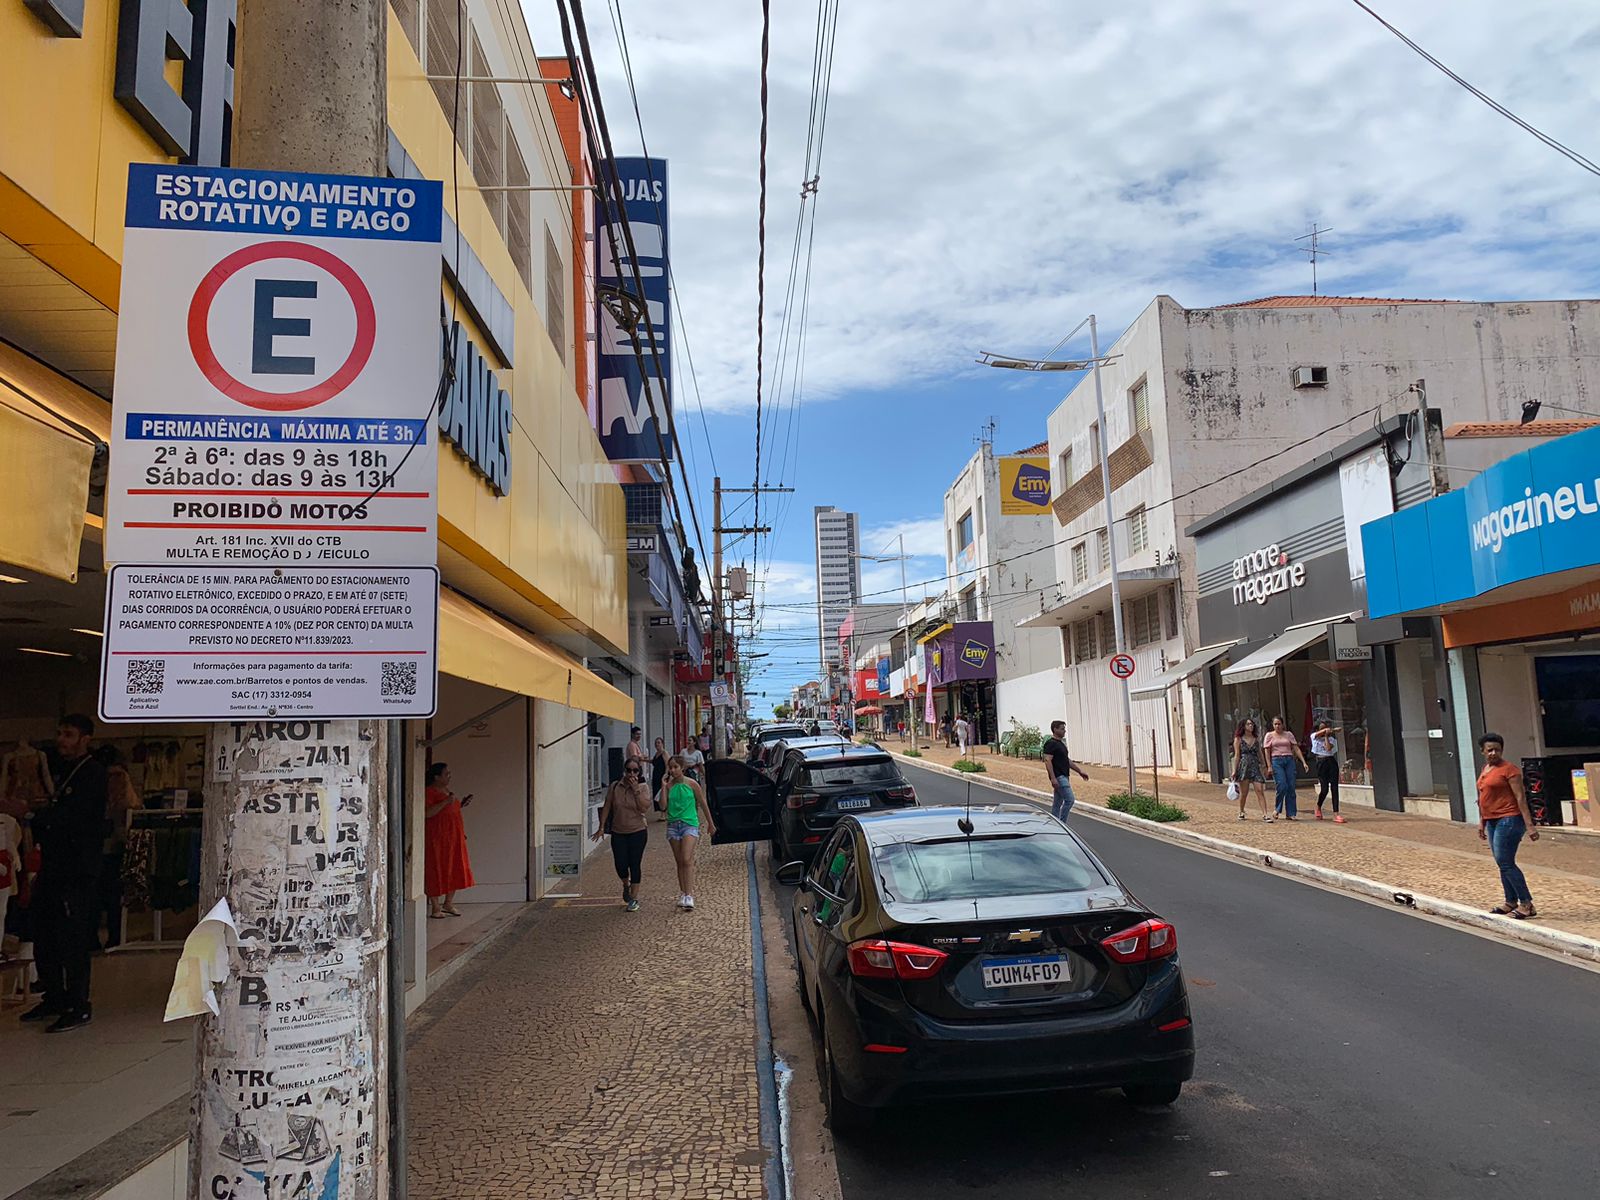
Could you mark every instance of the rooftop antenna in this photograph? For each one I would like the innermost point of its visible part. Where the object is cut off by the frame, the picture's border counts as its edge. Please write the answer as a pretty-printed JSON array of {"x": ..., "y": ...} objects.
[
  {"x": 985, "y": 433},
  {"x": 1314, "y": 250}
]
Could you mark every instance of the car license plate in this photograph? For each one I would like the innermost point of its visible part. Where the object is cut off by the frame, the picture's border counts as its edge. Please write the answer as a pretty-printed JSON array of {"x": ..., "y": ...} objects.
[
  {"x": 1025, "y": 972},
  {"x": 845, "y": 802}
]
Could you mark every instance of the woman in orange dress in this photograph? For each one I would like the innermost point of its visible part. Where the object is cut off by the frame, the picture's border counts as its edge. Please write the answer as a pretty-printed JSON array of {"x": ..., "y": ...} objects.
[{"x": 446, "y": 867}]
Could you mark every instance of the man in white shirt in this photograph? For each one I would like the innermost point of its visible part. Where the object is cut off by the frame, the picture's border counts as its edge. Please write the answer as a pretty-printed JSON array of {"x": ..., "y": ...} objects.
[{"x": 963, "y": 733}]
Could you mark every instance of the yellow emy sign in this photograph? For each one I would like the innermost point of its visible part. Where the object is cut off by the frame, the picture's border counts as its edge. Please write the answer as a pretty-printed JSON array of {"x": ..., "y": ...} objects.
[{"x": 1024, "y": 486}]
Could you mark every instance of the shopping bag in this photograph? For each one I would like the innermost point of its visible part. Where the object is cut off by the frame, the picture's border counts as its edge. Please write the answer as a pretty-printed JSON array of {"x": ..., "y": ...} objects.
[{"x": 1233, "y": 789}]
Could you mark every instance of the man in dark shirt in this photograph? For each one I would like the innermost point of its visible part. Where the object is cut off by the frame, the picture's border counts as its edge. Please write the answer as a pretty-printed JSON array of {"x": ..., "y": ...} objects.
[
  {"x": 70, "y": 831},
  {"x": 1060, "y": 766}
]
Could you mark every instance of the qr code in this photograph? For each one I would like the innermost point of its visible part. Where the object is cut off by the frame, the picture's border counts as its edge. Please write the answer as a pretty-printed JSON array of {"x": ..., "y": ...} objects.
[
  {"x": 399, "y": 679},
  {"x": 146, "y": 676}
]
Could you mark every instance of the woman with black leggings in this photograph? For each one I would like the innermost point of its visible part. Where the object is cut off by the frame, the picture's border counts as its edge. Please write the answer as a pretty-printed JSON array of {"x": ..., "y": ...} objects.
[{"x": 626, "y": 810}]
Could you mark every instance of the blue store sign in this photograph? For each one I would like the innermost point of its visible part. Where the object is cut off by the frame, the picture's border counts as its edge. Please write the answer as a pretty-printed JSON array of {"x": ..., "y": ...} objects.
[
  {"x": 626, "y": 356},
  {"x": 1537, "y": 513}
]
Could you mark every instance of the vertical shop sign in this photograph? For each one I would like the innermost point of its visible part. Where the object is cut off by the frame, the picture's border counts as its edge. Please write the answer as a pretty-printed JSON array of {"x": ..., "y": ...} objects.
[
  {"x": 297, "y": 1115},
  {"x": 273, "y": 460},
  {"x": 629, "y": 430}
]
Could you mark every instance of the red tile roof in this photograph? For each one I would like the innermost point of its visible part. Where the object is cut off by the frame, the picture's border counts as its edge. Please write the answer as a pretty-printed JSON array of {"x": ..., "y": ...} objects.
[
  {"x": 1324, "y": 301},
  {"x": 1036, "y": 448},
  {"x": 1496, "y": 429}
]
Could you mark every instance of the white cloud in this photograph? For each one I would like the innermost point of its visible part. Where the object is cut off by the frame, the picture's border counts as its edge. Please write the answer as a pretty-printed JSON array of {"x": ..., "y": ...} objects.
[{"x": 995, "y": 170}]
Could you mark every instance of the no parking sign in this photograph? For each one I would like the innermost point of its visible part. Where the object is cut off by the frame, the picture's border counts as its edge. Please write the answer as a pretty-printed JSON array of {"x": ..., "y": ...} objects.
[{"x": 271, "y": 494}]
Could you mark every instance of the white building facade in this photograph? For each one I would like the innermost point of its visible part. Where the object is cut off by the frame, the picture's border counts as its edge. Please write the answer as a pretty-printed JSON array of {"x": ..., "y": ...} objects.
[
  {"x": 1203, "y": 406},
  {"x": 838, "y": 580}
]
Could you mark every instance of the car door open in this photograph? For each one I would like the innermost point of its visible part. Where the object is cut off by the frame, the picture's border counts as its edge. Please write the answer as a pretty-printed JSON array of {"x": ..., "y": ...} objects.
[{"x": 742, "y": 801}]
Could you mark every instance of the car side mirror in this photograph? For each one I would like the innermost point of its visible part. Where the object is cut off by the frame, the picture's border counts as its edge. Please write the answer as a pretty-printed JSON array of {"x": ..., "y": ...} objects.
[{"x": 792, "y": 874}]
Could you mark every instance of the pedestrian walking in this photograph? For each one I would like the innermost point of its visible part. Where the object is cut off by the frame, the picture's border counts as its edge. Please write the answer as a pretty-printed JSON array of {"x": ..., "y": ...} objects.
[
  {"x": 1503, "y": 817},
  {"x": 1247, "y": 771},
  {"x": 687, "y": 818},
  {"x": 1325, "y": 749},
  {"x": 446, "y": 866},
  {"x": 1058, "y": 763},
  {"x": 1283, "y": 752},
  {"x": 635, "y": 748},
  {"x": 947, "y": 729},
  {"x": 69, "y": 831},
  {"x": 624, "y": 815},
  {"x": 963, "y": 729},
  {"x": 694, "y": 762},
  {"x": 658, "y": 774}
]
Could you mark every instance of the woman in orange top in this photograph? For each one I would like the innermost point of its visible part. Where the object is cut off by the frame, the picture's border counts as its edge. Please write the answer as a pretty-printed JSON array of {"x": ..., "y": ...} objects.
[
  {"x": 1503, "y": 818},
  {"x": 446, "y": 867}
]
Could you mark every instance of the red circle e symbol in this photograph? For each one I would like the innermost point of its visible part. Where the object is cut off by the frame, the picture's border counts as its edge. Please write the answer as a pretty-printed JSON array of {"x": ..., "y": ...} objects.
[{"x": 235, "y": 389}]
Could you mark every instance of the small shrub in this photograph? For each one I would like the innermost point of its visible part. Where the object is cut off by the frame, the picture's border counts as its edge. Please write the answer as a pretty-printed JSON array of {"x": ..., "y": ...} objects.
[
  {"x": 913, "y": 753},
  {"x": 1025, "y": 740},
  {"x": 972, "y": 768},
  {"x": 1145, "y": 807}
]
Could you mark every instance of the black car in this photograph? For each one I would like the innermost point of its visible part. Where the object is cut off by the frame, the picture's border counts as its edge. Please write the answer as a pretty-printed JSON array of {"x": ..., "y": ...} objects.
[
  {"x": 937, "y": 965},
  {"x": 772, "y": 754},
  {"x": 768, "y": 734},
  {"x": 814, "y": 786}
]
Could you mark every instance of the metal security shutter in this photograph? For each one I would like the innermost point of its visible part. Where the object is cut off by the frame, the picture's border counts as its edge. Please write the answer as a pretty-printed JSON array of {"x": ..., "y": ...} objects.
[
  {"x": 555, "y": 294},
  {"x": 443, "y": 46},
  {"x": 518, "y": 226},
  {"x": 409, "y": 14}
]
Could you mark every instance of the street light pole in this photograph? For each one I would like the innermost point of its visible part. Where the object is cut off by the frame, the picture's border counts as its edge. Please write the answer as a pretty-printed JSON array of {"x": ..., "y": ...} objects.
[{"x": 1104, "y": 440}]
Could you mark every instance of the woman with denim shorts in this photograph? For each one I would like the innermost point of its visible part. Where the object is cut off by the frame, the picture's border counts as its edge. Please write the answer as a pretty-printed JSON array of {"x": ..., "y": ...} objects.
[{"x": 687, "y": 817}]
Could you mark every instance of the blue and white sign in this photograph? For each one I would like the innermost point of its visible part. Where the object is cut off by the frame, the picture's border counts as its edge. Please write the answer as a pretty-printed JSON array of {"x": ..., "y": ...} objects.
[
  {"x": 1537, "y": 513},
  {"x": 277, "y": 367},
  {"x": 628, "y": 430}
]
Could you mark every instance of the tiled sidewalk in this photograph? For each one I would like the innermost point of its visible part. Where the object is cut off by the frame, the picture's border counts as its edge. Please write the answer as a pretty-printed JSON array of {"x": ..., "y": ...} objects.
[
  {"x": 1416, "y": 853},
  {"x": 598, "y": 1053}
]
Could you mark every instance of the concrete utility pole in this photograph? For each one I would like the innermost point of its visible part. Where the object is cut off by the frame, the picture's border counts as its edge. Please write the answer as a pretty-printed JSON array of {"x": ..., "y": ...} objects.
[
  {"x": 719, "y": 735},
  {"x": 292, "y": 1079}
]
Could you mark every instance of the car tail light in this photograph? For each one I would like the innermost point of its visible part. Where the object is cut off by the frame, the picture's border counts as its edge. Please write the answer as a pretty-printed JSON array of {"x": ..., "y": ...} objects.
[
  {"x": 876, "y": 958},
  {"x": 803, "y": 800},
  {"x": 907, "y": 793},
  {"x": 1144, "y": 942}
]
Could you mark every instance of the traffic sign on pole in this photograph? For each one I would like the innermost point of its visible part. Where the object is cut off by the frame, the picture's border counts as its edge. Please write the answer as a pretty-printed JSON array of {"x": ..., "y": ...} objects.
[
  {"x": 274, "y": 458},
  {"x": 1122, "y": 666}
]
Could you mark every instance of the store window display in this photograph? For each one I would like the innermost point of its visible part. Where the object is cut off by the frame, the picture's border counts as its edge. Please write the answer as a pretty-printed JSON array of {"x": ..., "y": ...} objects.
[{"x": 25, "y": 782}]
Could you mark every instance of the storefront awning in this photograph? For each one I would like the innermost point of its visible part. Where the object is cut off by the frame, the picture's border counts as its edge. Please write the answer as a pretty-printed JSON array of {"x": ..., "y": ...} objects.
[
  {"x": 49, "y": 427},
  {"x": 1198, "y": 661},
  {"x": 477, "y": 645},
  {"x": 946, "y": 627},
  {"x": 1263, "y": 663}
]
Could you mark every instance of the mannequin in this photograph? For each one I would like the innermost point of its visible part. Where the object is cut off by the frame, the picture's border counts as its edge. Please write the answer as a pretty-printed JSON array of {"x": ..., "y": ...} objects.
[{"x": 24, "y": 780}]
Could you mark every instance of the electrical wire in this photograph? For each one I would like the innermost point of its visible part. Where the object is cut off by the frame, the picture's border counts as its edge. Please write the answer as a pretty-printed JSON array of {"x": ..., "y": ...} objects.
[
  {"x": 761, "y": 251},
  {"x": 1565, "y": 151}
]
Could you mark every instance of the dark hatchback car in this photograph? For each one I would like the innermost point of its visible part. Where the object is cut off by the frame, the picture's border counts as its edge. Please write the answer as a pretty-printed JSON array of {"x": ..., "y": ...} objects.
[
  {"x": 815, "y": 785},
  {"x": 768, "y": 734},
  {"x": 772, "y": 754},
  {"x": 940, "y": 964}
]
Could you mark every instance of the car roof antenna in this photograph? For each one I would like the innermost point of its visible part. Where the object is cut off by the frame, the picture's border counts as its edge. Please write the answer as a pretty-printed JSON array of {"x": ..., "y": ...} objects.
[{"x": 965, "y": 823}]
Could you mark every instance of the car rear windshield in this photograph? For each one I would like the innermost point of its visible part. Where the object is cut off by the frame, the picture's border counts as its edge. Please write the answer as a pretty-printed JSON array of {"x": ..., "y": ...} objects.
[
  {"x": 874, "y": 774},
  {"x": 973, "y": 868}
]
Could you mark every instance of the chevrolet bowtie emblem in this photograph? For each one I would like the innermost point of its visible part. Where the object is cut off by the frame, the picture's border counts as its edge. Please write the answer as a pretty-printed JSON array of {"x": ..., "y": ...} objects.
[{"x": 1024, "y": 935}]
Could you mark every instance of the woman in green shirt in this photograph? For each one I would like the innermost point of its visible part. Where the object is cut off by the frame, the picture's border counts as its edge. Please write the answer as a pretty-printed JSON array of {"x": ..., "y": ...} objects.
[{"x": 687, "y": 817}]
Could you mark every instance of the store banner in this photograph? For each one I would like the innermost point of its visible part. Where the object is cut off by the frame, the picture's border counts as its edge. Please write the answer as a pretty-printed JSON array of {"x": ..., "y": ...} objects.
[
  {"x": 631, "y": 351},
  {"x": 271, "y": 502},
  {"x": 1024, "y": 485},
  {"x": 963, "y": 653},
  {"x": 883, "y": 677}
]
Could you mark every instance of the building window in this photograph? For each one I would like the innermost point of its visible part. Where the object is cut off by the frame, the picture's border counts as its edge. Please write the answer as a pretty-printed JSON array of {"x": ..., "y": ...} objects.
[
  {"x": 409, "y": 13},
  {"x": 980, "y": 516},
  {"x": 1138, "y": 530},
  {"x": 443, "y": 46},
  {"x": 1139, "y": 404},
  {"x": 969, "y": 604},
  {"x": 488, "y": 136},
  {"x": 1094, "y": 441},
  {"x": 964, "y": 530},
  {"x": 1064, "y": 471},
  {"x": 1084, "y": 641},
  {"x": 1080, "y": 563},
  {"x": 1144, "y": 620},
  {"x": 519, "y": 221},
  {"x": 1103, "y": 547},
  {"x": 555, "y": 294},
  {"x": 1108, "y": 632}
]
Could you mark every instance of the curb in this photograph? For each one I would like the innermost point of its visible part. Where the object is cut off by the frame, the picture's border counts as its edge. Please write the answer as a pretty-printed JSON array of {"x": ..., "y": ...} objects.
[{"x": 1570, "y": 944}]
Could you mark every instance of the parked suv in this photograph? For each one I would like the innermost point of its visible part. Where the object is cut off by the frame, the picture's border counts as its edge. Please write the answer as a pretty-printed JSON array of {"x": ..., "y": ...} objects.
[
  {"x": 772, "y": 754},
  {"x": 768, "y": 734},
  {"x": 815, "y": 785}
]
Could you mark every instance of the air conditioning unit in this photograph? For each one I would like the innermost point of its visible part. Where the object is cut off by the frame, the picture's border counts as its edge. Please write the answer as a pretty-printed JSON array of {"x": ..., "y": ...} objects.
[{"x": 1310, "y": 377}]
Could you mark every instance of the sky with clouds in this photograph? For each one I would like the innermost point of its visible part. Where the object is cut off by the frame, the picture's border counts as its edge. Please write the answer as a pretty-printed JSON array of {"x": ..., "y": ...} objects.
[{"x": 993, "y": 171}]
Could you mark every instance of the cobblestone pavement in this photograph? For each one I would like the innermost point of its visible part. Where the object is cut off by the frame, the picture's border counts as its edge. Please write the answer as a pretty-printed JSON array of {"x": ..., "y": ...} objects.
[
  {"x": 1416, "y": 853},
  {"x": 598, "y": 1053}
]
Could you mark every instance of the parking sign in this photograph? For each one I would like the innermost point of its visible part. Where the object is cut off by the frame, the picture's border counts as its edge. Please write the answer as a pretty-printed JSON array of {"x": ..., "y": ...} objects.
[{"x": 277, "y": 364}]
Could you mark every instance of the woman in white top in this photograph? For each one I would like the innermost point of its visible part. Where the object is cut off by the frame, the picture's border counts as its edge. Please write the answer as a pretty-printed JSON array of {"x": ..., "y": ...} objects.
[{"x": 1325, "y": 749}]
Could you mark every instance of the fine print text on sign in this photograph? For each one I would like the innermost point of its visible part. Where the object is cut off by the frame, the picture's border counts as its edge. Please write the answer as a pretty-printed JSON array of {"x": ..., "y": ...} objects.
[
  {"x": 199, "y": 643},
  {"x": 277, "y": 361}
]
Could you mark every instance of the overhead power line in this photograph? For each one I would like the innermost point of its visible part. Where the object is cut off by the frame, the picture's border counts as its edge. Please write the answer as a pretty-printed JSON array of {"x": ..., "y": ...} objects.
[
  {"x": 761, "y": 245},
  {"x": 1560, "y": 148}
]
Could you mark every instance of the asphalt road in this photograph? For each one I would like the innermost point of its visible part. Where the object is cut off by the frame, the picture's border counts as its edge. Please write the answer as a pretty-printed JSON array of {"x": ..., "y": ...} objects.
[{"x": 1344, "y": 1051}]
